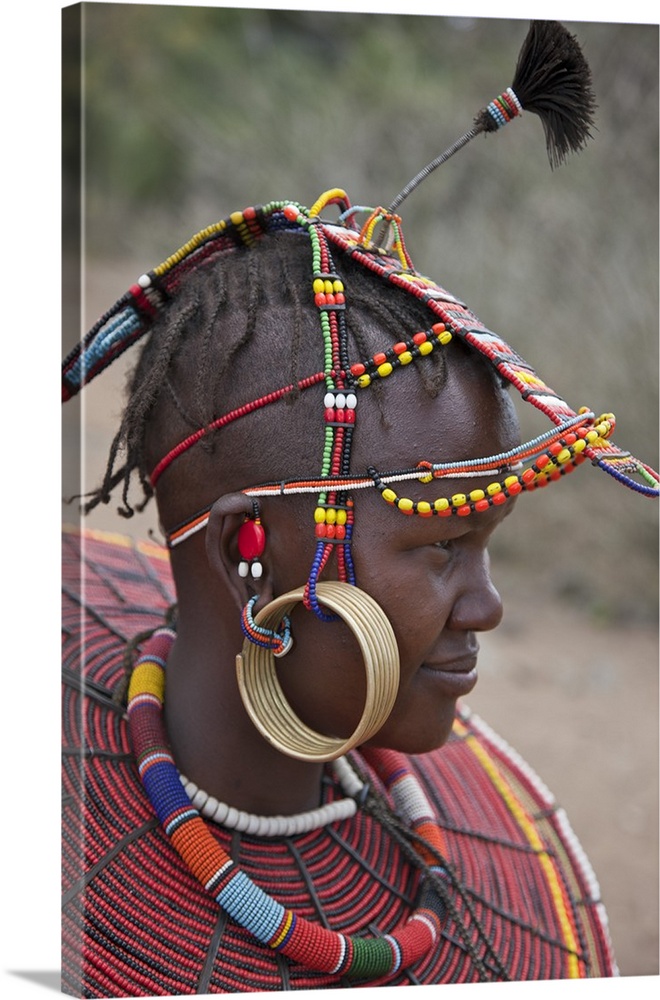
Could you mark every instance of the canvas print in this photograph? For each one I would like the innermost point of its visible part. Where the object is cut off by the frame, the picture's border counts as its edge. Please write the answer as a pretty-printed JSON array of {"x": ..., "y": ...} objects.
[{"x": 385, "y": 294}]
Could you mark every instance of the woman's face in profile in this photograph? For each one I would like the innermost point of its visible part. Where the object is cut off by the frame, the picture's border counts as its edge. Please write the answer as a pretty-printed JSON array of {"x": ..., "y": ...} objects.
[{"x": 429, "y": 574}]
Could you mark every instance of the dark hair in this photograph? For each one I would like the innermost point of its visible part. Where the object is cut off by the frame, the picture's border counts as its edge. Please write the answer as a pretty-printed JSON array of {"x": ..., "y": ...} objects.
[{"x": 203, "y": 354}]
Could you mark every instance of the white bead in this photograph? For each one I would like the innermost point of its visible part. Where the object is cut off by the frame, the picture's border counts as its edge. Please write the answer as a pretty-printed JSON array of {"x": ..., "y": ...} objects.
[
  {"x": 280, "y": 826},
  {"x": 329, "y": 400},
  {"x": 254, "y": 825},
  {"x": 256, "y": 569},
  {"x": 242, "y": 822},
  {"x": 351, "y": 400},
  {"x": 332, "y": 815},
  {"x": 317, "y": 817},
  {"x": 298, "y": 823},
  {"x": 221, "y": 813},
  {"x": 243, "y": 569},
  {"x": 349, "y": 808},
  {"x": 346, "y": 776},
  {"x": 144, "y": 280},
  {"x": 271, "y": 826},
  {"x": 199, "y": 799},
  {"x": 232, "y": 817},
  {"x": 340, "y": 400}
]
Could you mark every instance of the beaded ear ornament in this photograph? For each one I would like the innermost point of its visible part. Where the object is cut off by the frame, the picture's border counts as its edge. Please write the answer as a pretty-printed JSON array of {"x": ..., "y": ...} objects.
[
  {"x": 251, "y": 541},
  {"x": 552, "y": 80}
]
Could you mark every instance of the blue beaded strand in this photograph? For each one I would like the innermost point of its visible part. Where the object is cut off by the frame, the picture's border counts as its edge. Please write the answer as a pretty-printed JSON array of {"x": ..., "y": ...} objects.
[
  {"x": 621, "y": 477},
  {"x": 278, "y": 641},
  {"x": 311, "y": 597}
]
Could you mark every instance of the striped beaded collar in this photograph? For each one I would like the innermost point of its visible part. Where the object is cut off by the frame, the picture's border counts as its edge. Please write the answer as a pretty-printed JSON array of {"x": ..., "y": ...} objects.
[{"x": 317, "y": 947}]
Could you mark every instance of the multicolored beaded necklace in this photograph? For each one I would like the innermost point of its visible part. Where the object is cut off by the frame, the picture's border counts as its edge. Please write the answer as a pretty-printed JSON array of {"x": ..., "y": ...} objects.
[{"x": 274, "y": 925}]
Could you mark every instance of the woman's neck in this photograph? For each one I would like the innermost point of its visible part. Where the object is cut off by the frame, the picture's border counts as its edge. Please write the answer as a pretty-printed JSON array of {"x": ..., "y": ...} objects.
[{"x": 212, "y": 738}]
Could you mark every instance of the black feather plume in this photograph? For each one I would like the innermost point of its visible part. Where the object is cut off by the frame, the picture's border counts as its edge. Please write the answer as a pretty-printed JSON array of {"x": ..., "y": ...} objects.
[{"x": 553, "y": 81}]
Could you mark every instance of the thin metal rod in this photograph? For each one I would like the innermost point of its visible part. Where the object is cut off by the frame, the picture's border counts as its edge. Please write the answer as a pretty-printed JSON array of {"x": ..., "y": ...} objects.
[{"x": 430, "y": 167}]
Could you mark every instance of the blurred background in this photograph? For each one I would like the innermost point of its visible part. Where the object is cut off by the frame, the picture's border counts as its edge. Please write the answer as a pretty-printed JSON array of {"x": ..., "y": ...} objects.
[{"x": 189, "y": 113}]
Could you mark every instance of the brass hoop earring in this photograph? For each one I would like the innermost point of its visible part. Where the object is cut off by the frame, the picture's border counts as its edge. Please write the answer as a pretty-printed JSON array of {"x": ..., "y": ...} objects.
[{"x": 264, "y": 699}]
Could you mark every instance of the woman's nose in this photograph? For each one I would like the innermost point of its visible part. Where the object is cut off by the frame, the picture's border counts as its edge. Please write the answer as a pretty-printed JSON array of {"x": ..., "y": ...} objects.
[{"x": 478, "y": 605}]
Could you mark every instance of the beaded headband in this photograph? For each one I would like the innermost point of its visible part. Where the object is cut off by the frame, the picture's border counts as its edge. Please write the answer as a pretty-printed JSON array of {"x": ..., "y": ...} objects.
[{"x": 552, "y": 80}]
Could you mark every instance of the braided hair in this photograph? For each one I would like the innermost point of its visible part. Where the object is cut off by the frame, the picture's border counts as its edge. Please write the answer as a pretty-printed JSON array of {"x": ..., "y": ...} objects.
[{"x": 241, "y": 324}]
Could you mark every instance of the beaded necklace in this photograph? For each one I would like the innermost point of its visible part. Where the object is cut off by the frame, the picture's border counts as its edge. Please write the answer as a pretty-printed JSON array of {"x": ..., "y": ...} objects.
[
  {"x": 274, "y": 925},
  {"x": 281, "y": 826}
]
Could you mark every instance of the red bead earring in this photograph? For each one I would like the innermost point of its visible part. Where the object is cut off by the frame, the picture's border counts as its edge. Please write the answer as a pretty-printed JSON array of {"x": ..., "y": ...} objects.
[{"x": 251, "y": 544}]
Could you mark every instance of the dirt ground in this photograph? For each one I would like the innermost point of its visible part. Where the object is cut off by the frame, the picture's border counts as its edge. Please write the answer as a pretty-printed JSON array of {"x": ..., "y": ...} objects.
[{"x": 577, "y": 699}]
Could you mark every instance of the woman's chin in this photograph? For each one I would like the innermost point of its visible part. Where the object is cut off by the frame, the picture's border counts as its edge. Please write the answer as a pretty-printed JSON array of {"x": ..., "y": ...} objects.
[{"x": 417, "y": 736}]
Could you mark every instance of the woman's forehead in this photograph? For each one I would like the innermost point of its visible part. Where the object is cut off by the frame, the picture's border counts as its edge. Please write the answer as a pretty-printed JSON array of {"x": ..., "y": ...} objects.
[{"x": 471, "y": 416}]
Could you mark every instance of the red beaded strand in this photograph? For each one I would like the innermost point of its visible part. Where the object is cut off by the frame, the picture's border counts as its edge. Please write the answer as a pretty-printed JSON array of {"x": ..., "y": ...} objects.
[{"x": 227, "y": 418}]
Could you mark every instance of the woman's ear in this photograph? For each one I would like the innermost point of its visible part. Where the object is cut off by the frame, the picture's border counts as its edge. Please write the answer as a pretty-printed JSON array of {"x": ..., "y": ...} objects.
[{"x": 226, "y": 517}]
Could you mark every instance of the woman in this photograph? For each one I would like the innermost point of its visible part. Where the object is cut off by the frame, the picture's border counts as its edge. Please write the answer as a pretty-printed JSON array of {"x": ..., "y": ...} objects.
[{"x": 382, "y": 868}]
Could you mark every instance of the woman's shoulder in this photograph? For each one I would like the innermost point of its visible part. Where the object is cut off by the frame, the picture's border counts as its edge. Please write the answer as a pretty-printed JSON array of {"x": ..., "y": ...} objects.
[
  {"x": 113, "y": 589},
  {"x": 505, "y": 832},
  {"x": 482, "y": 788},
  {"x": 476, "y": 754}
]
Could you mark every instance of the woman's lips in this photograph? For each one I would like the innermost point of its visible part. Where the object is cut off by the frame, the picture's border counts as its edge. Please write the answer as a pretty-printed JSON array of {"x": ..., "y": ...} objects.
[{"x": 457, "y": 675}]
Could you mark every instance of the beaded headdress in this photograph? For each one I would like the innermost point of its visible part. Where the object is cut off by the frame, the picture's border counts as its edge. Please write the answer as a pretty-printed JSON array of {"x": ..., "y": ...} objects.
[{"x": 552, "y": 80}]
